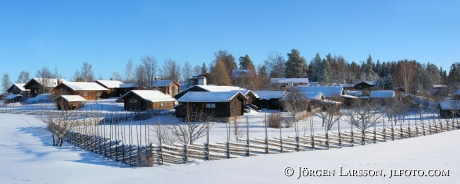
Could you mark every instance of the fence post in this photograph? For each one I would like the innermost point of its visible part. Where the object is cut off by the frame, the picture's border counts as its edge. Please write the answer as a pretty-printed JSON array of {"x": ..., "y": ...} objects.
[
  {"x": 227, "y": 144},
  {"x": 185, "y": 153}
]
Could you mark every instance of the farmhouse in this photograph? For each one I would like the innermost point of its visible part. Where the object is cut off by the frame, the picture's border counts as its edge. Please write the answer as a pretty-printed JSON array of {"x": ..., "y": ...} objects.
[
  {"x": 88, "y": 90},
  {"x": 449, "y": 109},
  {"x": 69, "y": 102},
  {"x": 141, "y": 100},
  {"x": 112, "y": 87},
  {"x": 365, "y": 86},
  {"x": 17, "y": 88},
  {"x": 208, "y": 88},
  {"x": 40, "y": 85},
  {"x": 226, "y": 105},
  {"x": 169, "y": 87},
  {"x": 268, "y": 99}
]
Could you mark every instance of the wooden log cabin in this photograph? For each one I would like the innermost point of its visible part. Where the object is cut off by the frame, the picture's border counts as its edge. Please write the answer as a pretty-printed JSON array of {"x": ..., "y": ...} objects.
[
  {"x": 87, "y": 90},
  {"x": 69, "y": 102},
  {"x": 17, "y": 88},
  {"x": 38, "y": 86},
  {"x": 221, "y": 105},
  {"x": 112, "y": 87},
  {"x": 141, "y": 100}
]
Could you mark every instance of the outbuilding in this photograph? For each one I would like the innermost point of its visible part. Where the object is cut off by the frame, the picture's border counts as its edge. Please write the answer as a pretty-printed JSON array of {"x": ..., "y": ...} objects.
[
  {"x": 69, "y": 102},
  {"x": 141, "y": 100}
]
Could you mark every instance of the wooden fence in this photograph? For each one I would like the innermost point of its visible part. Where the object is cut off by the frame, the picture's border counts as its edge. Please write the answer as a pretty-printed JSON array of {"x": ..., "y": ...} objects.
[{"x": 156, "y": 154}]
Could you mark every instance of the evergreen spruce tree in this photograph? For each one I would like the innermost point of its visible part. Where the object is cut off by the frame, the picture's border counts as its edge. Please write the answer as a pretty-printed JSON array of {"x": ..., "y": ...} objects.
[{"x": 296, "y": 65}]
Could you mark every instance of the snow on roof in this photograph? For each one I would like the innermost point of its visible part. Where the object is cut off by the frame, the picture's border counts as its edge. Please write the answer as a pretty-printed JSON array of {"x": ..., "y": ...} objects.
[
  {"x": 449, "y": 104},
  {"x": 212, "y": 88},
  {"x": 267, "y": 95},
  {"x": 46, "y": 82},
  {"x": 71, "y": 98},
  {"x": 196, "y": 96},
  {"x": 83, "y": 86},
  {"x": 11, "y": 96},
  {"x": 151, "y": 95},
  {"x": 110, "y": 83},
  {"x": 439, "y": 86},
  {"x": 128, "y": 85},
  {"x": 371, "y": 83},
  {"x": 20, "y": 86},
  {"x": 328, "y": 91},
  {"x": 306, "y": 95},
  {"x": 382, "y": 94},
  {"x": 350, "y": 96},
  {"x": 289, "y": 80},
  {"x": 346, "y": 85},
  {"x": 457, "y": 92},
  {"x": 161, "y": 83},
  {"x": 353, "y": 93}
]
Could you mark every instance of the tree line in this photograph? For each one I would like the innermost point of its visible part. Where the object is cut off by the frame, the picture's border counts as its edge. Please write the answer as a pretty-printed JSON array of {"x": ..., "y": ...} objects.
[{"x": 226, "y": 69}]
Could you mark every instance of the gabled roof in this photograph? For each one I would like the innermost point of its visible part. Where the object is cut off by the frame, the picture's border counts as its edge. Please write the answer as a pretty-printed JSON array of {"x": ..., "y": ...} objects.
[
  {"x": 150, "y": 95},
  {"x": 306, "y": 95},
  {"x": 45, "y": 82},
  {"x": 328, "y": 91},
  {"x": 247, "y": 92},
  {"x": 162, "y": 83},
  {"x": 267, "y": 95},
  {"x": 382, "y": 94},
  {"x": 196, "y": 96},
  {"x": 449, "y": 104},
  {"x": 110, "y": 83},
  {"x": 288, "y": 80},
  {"x": 71, "y": 98},
  {"x": 84, "y": 86},
  {"x": 128, "y": 85},
  {"x": 208, "y": 88},
  {"x": 20, "y": 86},
  {"x": 11, "y": 96},
  {"x": 370, "y": 83}
]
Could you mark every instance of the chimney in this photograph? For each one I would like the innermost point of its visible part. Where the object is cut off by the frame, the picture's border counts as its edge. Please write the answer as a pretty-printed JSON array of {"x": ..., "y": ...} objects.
[
  {"x": 202, "y": 80},
  {"x": 59, "y": 81}
]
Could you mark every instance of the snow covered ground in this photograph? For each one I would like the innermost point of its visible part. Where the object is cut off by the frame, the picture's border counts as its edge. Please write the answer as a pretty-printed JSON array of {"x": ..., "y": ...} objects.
[{"x": 28, "y": 157}]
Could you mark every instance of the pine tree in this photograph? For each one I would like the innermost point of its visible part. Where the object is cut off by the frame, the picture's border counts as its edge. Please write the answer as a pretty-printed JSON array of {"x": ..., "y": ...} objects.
[
  {"x": 204, "y": 69},
  {"x": 296, "y": 65}
]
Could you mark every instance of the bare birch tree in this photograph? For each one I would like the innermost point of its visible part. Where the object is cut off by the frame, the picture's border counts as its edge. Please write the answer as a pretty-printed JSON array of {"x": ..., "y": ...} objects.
[
  {"x": 364, "y": 114},
  {"x": 196, "y": 124}
]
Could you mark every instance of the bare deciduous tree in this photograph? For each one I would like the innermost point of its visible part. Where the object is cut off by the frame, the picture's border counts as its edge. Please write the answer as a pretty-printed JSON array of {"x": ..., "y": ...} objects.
[
  {"x": 187, "y": 71},
  {"x": 405, "y": 72},
  {"x": 164, "y": 134},
  {"x": 196, "y": 124},
  {"x": 171, "y": 70},
  {"x": 6, "y": 82},
  {"x": 23, "y": 77},
  {"x": 129, "y": 77},
  {"x": 364, "y": 114},
  {"x": 296, "y": 105},
  {"x": 149, "y": 66}
]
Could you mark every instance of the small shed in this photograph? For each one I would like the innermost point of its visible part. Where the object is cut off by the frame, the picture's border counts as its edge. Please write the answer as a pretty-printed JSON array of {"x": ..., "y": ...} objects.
[
  {"x": 69, "y": 102},
  {"x": 229, "y": 104},
  {"x": 449, "y": 109},
  {"x": 12, "y": 98},
  {"x": 268, "y": 99},
  {"x": 141, "y": 100}
]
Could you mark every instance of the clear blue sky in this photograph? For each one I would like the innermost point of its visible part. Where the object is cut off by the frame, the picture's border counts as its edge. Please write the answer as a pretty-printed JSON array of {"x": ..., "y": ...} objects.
[{"x": 64, "y": 34}]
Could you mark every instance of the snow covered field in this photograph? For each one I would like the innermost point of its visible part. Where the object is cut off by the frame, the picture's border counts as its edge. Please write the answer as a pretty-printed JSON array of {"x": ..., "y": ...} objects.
[{"x": 28, "y": 157}]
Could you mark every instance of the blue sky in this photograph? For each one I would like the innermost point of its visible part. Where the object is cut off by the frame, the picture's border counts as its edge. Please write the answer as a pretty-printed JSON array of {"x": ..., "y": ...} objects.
[{"x": 64, "y": 34}]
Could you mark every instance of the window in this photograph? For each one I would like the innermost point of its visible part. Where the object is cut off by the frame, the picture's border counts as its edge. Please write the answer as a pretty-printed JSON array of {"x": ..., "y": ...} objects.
[
  {"x": 162, "y": 104},
  {"x": 133, "y": 100},
  {"x": 85, "y": 93},
  {"x": 210, "y": 105}
]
